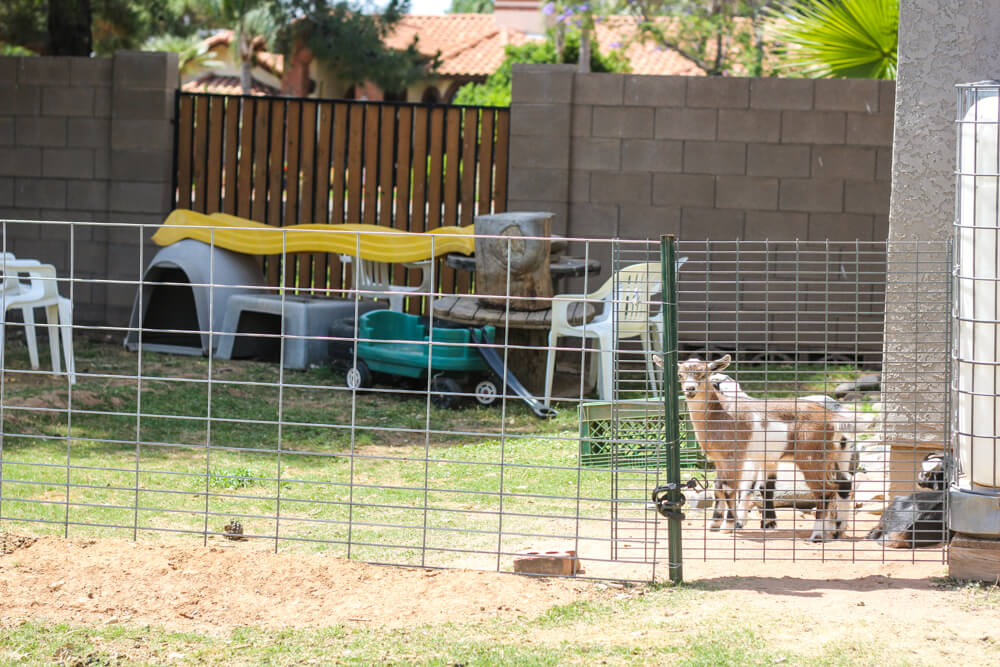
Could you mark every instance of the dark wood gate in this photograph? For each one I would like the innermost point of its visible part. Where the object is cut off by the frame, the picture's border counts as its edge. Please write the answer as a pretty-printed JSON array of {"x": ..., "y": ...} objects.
[{"x": 286, "y": 161}]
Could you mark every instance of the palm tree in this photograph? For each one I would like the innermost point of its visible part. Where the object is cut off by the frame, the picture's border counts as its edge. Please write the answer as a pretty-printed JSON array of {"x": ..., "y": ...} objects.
[
  {"x": 837, "y": 38},
  {"x": 192, "y": 51},
  {"x": 251, "y": 20}
]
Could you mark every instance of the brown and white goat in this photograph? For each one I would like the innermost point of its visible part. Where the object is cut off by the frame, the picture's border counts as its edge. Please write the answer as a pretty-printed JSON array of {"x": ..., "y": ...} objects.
[{"x": 752, "y": 435}]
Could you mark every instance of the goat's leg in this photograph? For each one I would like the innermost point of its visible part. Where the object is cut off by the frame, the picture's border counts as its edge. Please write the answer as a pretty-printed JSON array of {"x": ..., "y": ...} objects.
[
  {"x": 719, "y": 506},
  {"x": 822, "y": 477},
  {"x": 750, "y": 476},
  {"x": 768, "y": 517}
]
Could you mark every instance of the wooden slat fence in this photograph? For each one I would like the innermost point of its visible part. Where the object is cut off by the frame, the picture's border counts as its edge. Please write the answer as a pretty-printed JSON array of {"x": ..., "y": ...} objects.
[{"x": 286, "y": 161}]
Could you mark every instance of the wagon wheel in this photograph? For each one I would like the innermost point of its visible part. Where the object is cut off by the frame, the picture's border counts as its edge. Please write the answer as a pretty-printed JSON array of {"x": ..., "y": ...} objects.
[
  {"x": 443, "y": 392},
  {"x": 487, "y": 392},
  {"x": 360, "y": 376}
]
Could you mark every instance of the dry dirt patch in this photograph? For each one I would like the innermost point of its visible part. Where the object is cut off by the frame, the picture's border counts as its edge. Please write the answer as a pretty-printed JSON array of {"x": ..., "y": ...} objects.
[{"x": 197, "y": 588}]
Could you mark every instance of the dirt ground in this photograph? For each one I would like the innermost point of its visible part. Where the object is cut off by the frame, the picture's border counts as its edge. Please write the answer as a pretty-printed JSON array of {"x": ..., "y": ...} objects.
[{"x": 215, "y": 589}]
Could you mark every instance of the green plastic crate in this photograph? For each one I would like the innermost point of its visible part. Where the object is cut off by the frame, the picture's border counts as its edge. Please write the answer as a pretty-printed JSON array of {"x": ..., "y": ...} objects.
[{"x": 639, "y": 440}]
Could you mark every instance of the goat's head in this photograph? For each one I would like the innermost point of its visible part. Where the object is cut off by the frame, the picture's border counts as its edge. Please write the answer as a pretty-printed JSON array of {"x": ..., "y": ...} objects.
[{"x": 694, "y": 374}]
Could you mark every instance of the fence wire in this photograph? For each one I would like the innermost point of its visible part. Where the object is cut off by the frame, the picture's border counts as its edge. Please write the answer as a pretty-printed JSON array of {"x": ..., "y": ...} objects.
[{"x": 249, "y": 417}]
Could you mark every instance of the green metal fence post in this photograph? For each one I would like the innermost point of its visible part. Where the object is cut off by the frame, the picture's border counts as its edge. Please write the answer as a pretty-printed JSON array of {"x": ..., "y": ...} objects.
[{"x": 671, "y": 405}]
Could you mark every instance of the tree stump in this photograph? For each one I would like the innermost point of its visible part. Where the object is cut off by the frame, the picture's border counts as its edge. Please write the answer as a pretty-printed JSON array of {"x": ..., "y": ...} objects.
[{"x": 527, "y": 259}]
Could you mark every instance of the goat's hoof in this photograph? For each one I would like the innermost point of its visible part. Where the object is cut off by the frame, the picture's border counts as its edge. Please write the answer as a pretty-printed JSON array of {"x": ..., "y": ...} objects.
[
  {"x": 769, "y": 525},
  {"x": 738, "y": 526},
  {"x": 817, "y": 536}
]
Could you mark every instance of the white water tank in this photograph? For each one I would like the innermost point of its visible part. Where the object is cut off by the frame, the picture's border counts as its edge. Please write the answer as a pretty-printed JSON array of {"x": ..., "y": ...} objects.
[{"x": 977, "y": 313}]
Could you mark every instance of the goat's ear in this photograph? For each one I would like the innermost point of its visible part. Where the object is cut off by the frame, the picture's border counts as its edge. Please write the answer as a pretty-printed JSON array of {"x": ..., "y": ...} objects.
[{"x": 720, "y": 364}]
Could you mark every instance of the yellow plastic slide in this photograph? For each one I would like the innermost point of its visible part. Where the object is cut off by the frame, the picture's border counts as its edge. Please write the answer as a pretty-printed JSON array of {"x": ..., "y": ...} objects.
[{"x": 371, "y": 242}]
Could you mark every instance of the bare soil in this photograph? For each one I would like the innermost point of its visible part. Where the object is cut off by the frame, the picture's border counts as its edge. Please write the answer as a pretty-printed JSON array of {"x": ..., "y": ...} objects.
[{"x": 214, "y": 589}]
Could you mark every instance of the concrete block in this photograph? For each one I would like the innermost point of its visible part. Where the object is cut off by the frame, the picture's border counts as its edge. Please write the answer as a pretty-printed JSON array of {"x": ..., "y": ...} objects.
[
  {"x": 596, "y": 153},
  {"x": 142, "y": 104},
  {"x": 132, "y": 198},
  {"x": 102, "y": 103},
  {"x": 746, "y": 192},
  {"x": 615, "y": 187},
  {"x": 813, "y": 127},
  {"x": 539, "y": 120},
  {"x": 102, "y": 163},
  {"x": 90, "y": 71},
  {"x": 811, "y": 195},
  {"x": 62, "y": 101},
  {"x": 781, "y": 94},
  {"x": 6, "y": 192},
  {"x": 6, "y": 131},
  {"x": 883, "y": 164},
  {"x": 866, "y": 197},
  {"x": 144, "y": 69},
  {"x": 154, "y": 135},
  {"x": 686, "y": 124},
  {"x": 581, "y": 124},
  {"x": 843, "y": 162},
  {"x": 698, "y": 224},
  {"x": 45, "y": 71},
  {"x": 8, "y": 69},
  {"x": 579, "y": 186},
  {"x": 648, "y": 222},
  {"x": 36, "y": 131},
  {"x": 153, "y": 166},
  {"x": 777, "y": 160},
  {"x": 88, "y": 132},
  {"x": 542, "y": 84},
  {"x": 21, "y": 100},
  {"x": 847, "y": 95},
  {"x": 39, "y": 193},
  {"x": 531, "y": 152},
  {"x": 651, "y": 155},
  {"x": 887, "y": 97},
  {"x": 81, "y": 232},
  {"x": 683, "y": 190},
  {"x": 593, "y": 220},
  {"x": 880, "y": 228},
  {"x": 20, "y": 162},
  {"x": 870, "y": 129},
  {"x": 718, "y": 92},
  {"x": 764, "y": 225},
  {"x": 740, "y": 125},
  {"x": 598, "y": 88},
  {"x": 704, "y": 157},
  {"x": 67, "y": 163},
  {"x": 87, "y": 195},
  {"x": 539, "y": 184},
  {"x": 634, "y": 122},
  {"x": 655, "y": 91},
  {"x": 840, "y": 227}
]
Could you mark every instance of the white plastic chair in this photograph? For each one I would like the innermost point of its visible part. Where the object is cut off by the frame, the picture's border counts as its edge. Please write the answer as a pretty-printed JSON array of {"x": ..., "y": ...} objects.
[
  {"x": 374, "y": 279},
  {"x": 624, "y": 314},
  {"x": 40, "y": 291}
]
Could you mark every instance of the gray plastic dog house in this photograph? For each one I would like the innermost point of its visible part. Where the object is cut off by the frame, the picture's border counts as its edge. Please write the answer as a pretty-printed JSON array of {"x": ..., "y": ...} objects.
[{"x": 184, "y": 295}]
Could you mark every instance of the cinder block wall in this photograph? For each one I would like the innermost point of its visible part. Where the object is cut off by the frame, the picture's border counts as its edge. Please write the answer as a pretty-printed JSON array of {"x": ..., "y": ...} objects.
[
  {"x": 635, "y": 157},
  {"x": 87, "y": 139}
]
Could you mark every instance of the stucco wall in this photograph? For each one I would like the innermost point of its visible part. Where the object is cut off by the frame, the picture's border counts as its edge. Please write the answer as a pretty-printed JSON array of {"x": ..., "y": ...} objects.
[{"x": 941, "y": 44}]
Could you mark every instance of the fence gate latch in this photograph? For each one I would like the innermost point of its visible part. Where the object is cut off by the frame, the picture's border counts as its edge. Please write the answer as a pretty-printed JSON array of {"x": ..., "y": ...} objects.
[{"x": 672, "y": 509}]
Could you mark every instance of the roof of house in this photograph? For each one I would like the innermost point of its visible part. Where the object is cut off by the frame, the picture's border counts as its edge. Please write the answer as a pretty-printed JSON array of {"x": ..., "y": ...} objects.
[
  {"x": 226, "y": 85},
  {"x": 473, "y": 44}
]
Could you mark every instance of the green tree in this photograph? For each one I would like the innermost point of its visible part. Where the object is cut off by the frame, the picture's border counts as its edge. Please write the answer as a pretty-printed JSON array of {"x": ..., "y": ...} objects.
[
  {"x": 351, "y": 40},
  {"x": 192, "y": 51},
  {"x": 80, "y": 27},
  {"x": 837, "y": 38},
  {"x": 495, "y": 91},
  {"x": 471, "y": 7},
  {"x": 722, "y": 37}
]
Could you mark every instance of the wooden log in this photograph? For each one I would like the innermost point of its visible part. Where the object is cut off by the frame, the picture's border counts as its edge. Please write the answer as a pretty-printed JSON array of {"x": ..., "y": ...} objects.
[
  {"x": 529, "y": 285},
  {"x": 974, "y": 558}
]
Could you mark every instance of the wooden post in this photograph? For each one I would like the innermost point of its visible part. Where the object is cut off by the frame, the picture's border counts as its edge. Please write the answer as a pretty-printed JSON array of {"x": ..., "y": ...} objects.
[{"x": 527, "y": 259}]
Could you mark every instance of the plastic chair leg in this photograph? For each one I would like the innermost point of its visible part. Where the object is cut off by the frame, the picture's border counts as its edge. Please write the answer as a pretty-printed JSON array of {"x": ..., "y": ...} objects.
[
  {"x": 52, "y": 317},
  {"x": 28, "y": 315},
  {"x": 550, "y": 367},
  {"x": 607, "y": 374},
  {"x": 66, "y": 328}
]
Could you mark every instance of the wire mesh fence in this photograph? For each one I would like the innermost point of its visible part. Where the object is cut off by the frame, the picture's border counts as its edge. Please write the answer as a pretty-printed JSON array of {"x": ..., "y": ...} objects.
[{"x": 476, "y": 435}]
